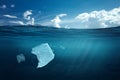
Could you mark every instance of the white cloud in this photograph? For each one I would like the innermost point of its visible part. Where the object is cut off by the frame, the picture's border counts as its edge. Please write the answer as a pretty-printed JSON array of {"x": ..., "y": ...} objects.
[
  {"x": 93, "y": 19},
  {"x": 31, "y": 22},
  {"x": 3, "y": 6},
  {"x": 62, "y": 15},
  {"x": 9, "y": 16},
  {"x": 56, "y": 21},
  {"x": 12, "y": 6},
  {"x": 17, "y": 22},
  {"x": 27, "y": 19},
  {"x": 99, "y": 19},
  {"x": 27, "y": 14}
]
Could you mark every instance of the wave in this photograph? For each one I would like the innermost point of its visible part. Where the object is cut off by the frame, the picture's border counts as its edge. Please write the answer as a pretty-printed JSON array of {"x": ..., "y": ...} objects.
[{"x": 51, "y": 31}]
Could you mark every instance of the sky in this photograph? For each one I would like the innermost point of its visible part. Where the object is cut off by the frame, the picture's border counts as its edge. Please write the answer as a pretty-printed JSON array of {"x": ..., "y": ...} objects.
[{"x": 61, "y": 13}]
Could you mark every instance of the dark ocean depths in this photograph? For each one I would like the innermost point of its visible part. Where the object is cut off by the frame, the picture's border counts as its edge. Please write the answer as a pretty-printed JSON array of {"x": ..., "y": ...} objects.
[{"x": 91, "y": 54}]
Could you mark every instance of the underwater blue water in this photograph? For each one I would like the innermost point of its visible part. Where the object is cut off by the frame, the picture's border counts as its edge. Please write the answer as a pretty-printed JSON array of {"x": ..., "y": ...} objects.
[{"x": 80, "y": 54}]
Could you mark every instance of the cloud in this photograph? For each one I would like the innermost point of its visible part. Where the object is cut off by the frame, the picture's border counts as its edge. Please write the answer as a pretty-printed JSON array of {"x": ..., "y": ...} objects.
[
  {"x": 3, "y": 6},
  {"x": 93, "y": 19},
  {"x": 56, "y": 21},
  {"x": 31, "y": 22},
  {"x": 27, "y": 19},
  {"x": 27, "y": 14},
  {"x": 12, "y": 6},
  {"x": 99, "y": 19},
  {"x": 9, "y": 16},
  {"x": 17, "y": 22}
]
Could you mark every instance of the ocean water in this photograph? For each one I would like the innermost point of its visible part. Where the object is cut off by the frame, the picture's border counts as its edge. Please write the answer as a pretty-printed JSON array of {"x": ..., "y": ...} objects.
[{"x": 80, "y": 54}]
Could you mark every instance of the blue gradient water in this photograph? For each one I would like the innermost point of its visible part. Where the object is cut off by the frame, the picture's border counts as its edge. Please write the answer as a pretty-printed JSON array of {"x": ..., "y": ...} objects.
[{"x": 92, "y": 54}]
